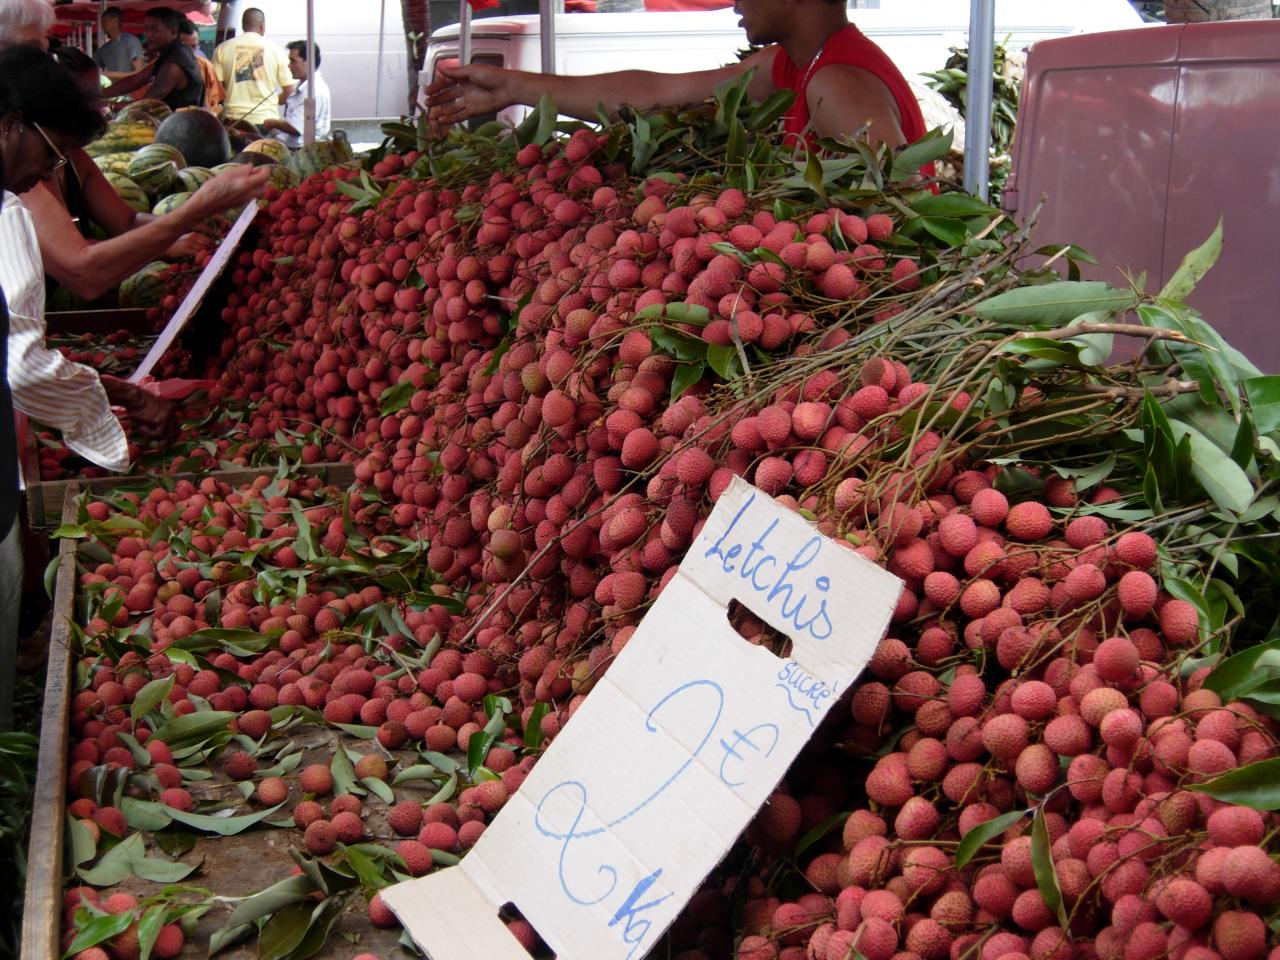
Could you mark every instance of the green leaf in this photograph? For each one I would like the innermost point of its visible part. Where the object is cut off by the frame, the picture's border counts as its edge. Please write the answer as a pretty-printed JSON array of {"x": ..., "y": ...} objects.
[
  {"x": 934, "y": 145},
  {"x": 150, "y": 696},
  {"x": 344, "y": 774},
  {"x": 1055, "y": 352},
  {"x": 1055, "y": 304},
  {"x": 379, "y": 789},
  {"x": 444, "y": 793},
  {"x": 228, "y": 936},
  {"x": 223, "y": 826},
  {"x": 116, "y": 864},
  {"x": 1215, "y": 471},
  {"x": 145, "y": 814},
  {"x": 51, "y": 575},
  {"x": 99, "y": 929},
  {"x": 175, "y": 842},
  {"x": 1256, "y": 785},
  {"x": 1194, "y": 266},
  {"x": 983, "y": 833},
  {"x": 533, "y": 735},
  {"x": 952, "y": 204},
  {"x": 163, "y": 871},
  {"x": 770, "y": 110},
  {"x": 679, "y": 345},
  {"x": 1263, "y": 394},
  {"x": 724, "y": 360},
  {"x": 193, "y": 728},
  {"x": 442, "y": 762},
  {"x": 818, "y": 831},
  {"x": 359, "y": 730},
  {"x": 70, "y": 531},
  {"x": 322, "y": 919},
  {"x": 284, "y": 931},
  {"x": 394, "y": 399},
  {"x": 273, "y": 898},
  {"x": 149, "y": 928},
  {"x": 419, "y": 771},
  {"x": 949, "y": 231},
  {"x": 685, "y": 376},
  {"x": 371, "y": 876},
  {"x": 813, "y": 174},
  {"x": 1042, "y": 866},
  {"x": 80, "y": 840}
]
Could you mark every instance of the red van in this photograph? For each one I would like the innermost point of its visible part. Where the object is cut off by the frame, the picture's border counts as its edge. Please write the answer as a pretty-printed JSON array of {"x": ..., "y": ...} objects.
[{"x": 1139, "y": 140}]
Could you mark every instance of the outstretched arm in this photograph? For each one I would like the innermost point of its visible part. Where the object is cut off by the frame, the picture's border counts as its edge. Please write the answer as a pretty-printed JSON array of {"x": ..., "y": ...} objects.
[
  {"x": 91, "y": 269},
  {"x": 460, "y": 93}
]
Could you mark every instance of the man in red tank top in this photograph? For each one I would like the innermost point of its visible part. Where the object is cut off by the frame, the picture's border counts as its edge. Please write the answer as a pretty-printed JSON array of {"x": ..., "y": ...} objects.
[{"x": 843, "y": 81}]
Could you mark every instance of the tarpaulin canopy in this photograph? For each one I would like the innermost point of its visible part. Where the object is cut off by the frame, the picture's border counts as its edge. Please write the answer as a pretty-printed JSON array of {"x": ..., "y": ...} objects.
[{"x": 86, "y": 11}]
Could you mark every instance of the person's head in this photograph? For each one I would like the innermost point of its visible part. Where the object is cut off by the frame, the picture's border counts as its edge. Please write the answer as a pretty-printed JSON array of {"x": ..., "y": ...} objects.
[
  {"x": 42, "y": 116},
  {"x": 253, "y": 21},
  {"x": 84, "y": 72},
  {"x": 26, "y": 22},
  {"x": 298, "y": 58},
  {"x": 162, "y": 25},
  {"x": 188, "y": 33},
  {"x": 772, "y": 21},
  {"x": 112, "y": 21}
]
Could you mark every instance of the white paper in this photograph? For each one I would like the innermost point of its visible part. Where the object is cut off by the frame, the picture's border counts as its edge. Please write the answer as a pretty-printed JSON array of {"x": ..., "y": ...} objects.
[{"x": 673, "y": 752}]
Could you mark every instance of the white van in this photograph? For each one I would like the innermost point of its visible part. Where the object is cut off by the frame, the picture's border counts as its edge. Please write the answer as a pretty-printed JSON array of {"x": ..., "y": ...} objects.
[{"x": 916, "y": 34}]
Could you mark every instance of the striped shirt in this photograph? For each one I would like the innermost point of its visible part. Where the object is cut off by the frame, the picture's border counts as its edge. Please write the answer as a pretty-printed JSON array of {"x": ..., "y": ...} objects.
[{"x": 46, "y": 385}]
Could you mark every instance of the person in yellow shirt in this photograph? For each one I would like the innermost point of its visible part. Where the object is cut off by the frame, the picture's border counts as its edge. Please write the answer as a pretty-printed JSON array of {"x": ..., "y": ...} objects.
[{"x": 254, "y": 73}]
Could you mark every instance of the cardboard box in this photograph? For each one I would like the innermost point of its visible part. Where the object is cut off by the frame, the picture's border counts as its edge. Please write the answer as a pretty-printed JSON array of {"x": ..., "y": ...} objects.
[{"x": 674, "y": 751}]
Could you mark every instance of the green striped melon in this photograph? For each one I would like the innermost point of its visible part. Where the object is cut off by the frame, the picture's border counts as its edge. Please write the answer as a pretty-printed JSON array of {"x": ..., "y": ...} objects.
[
  {"x": 130, "y": 192},
  {"x": 274, "y": 149},
  {"x": 224, "y": 167},
  {"x": 151, "y": 112},
  {"x": 147, "y": 287},
  {"x": 155, "y": 168},
  {"x": 121, "y": 137},
  {"x": 192, "y": 178},
  {"x": 319, "y": 156},
  {"x": 117, "y": 163},
  {"x": 171, "y": 203}
]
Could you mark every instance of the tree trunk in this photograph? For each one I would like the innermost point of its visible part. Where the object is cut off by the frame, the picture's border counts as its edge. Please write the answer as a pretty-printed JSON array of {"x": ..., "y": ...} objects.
[
  {"x": 1198, "y": 11},
  {"x": 416, "y": 15}
]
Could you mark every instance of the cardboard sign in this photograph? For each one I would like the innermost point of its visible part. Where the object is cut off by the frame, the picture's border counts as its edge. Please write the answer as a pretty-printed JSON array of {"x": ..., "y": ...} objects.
[
  {"x": 673, "y": 752},
  {"x": 195, "y": 296}
]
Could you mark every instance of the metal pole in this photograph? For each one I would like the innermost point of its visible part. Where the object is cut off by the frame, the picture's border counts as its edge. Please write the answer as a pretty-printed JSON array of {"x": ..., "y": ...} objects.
[
  {"x": 977, "y": 121},
  {"x": 547, "y": 10},
  {"x": 464, "y": 32},
  {"x": 309, "y": 104},
  {"x": 382, "y": 32}
]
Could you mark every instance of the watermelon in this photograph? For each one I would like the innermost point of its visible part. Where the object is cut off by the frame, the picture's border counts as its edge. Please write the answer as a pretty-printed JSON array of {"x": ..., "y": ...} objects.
[
  {"x": 130, "y": 192},
  {"x": 150, "y": 112},
  {"x": 155, "y": 168},
  {"x": 116, "y": 163},
  {"x": 121, "y": 137},
  {"x": 224, "y": 167},
  {"x": 171, "y": 203},
  {"x": 192, "y": 178},
  {"x": 319, "y": 156},
  {"x": 198, "y": 134},
  {"x": 274, "y": 149},
  {"x": 147, "y": 287}
]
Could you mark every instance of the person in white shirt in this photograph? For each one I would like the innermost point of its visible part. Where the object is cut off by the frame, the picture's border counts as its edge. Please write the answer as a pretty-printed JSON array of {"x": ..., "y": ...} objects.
[{"x": 289, "y": 128}]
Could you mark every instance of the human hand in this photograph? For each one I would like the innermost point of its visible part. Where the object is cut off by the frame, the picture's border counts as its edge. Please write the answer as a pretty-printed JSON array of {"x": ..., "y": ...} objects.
[
  {"x": 152, "y": 419},
  {"x": 187, "y": 245},
  {"x": 459, "y": 93},
  {"x": 230, "y": 189}
]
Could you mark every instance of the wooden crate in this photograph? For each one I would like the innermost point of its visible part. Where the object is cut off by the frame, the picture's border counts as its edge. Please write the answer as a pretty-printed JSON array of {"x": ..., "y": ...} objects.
[
  {"x": 45, "y": 498},
  {"x": 42, "y": 911},
  {"x": 103, "y": 322}
]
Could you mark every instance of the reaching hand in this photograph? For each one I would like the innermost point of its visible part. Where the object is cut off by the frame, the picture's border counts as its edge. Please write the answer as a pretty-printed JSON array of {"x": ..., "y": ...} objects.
[
  {"x": 459, "y": 93},
  {"x": 152, "y": 419},
  {"x": 188, "y": 245},
  {"x": 230, "y": 189}
]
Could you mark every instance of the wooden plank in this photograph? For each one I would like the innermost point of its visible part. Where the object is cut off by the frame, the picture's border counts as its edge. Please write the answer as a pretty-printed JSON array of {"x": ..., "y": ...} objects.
[
  {"x": 42, "y": 911},
  {"x": 132, "y": 319},
  {"x": 44, "y": 500},
  {"x": 195, "y": 296}
]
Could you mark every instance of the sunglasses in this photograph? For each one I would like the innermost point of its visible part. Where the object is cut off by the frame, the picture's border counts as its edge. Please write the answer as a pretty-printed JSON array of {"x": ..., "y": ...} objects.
[{"x": 56, "y": 158}]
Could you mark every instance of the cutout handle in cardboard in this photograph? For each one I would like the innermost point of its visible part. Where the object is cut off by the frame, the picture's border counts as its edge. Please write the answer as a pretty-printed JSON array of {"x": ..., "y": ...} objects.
[{"x": 673, "y": 752}]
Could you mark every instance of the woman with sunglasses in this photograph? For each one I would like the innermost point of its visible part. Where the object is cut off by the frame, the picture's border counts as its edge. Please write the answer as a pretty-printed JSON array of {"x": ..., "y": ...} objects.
[
  {"x": 63, "y": 206},
  {"x": 42, "y": 116}
]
